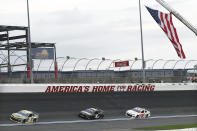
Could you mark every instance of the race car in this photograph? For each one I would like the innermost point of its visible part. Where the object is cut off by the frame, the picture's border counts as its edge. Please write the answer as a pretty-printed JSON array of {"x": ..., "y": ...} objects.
[
  {"x": 138, "y": 112},
  {"x": 91, "y": 113},
  {"x": 24, "y": 116}
]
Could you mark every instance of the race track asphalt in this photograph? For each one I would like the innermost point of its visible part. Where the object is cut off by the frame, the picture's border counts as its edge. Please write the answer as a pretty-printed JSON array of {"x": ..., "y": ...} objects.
[{"x": 66, "y": 106}]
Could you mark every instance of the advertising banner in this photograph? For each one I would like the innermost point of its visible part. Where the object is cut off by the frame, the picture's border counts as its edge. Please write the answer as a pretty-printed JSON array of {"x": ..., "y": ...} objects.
[
  {"x": 99, "y": 88},
  {"x": 121, "y": 63},
  {"x": 42, "y": 53},
  {"x": 94, "y": 88}
]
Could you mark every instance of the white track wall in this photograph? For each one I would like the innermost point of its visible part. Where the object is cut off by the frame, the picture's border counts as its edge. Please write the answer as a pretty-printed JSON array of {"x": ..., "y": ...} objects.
[{"x": 134, "y": 87}]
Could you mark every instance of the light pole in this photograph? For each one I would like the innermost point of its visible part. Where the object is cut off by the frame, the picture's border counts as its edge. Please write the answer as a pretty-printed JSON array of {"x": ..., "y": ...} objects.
[
  {"x": 76, "y": 66},
  {"x": 142, "y": 48},
  {"x": 87, "y": 67},
  {"x": 29, "y": 44},
  {"x": 167, "y": 62},
  {"x": 136, "y": 59},
  {"x": 78, "y": 62},
  {"x": 112, "y": 63},
  {"x": 102, "y": 60},
  {"x": 67, "y": 58},
  {"x": 188, "y": 63},
  {"x": 156, "y": 62},
  {"x": 89, "y": 62},
  {"x": 176, "y": 63},
  {"x": 177, "y": 15},
  {"x": 146, "y": 61}
]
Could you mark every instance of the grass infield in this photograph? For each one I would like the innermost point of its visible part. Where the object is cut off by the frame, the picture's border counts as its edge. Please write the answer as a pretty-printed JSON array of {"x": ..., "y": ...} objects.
[{"x": 168, "y": 127}]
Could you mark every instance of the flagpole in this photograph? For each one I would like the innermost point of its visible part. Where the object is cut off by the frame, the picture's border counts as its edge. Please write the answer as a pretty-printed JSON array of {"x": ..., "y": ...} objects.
[
  {"x": 142, "y": 48},
  {"x": 29, "y": 43},
  {"x": 178, "y": 16}
]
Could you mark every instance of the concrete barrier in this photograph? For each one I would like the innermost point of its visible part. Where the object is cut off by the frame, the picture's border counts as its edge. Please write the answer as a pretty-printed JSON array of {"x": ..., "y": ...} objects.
[{"x": 113, "y": 103}]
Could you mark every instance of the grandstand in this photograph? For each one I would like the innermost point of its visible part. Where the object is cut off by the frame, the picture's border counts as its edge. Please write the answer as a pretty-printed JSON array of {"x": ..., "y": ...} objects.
[
  {"x": 14, "y": 63},
  {"x": 97, "y": 72}
]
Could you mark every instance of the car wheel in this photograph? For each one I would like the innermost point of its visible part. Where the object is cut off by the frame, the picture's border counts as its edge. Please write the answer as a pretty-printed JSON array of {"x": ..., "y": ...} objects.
[
  {"x": 146, "y": 116},
  {"x": 34, "y": 120},
  {"x": 137, "y": 116},
  {"x": 24, "y": 121},
  {"x": 101, "y": 116}
]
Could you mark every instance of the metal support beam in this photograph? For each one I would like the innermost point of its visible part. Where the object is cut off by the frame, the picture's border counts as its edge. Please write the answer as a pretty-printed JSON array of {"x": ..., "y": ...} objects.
[{"x": 13, "y": 37}]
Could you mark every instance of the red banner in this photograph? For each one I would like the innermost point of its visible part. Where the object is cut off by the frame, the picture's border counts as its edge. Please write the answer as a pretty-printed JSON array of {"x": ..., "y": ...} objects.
[{"x": 121, "y": 63}]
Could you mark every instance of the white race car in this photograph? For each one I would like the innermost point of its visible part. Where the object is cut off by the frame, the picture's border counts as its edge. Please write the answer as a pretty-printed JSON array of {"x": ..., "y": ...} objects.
[
  {"x": 138, "y": 112},
  {"x": 24, "y": 116}
]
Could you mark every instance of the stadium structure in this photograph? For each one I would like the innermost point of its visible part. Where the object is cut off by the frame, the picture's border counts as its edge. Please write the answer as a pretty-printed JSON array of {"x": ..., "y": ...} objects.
[{"x": 14, "y": 52}]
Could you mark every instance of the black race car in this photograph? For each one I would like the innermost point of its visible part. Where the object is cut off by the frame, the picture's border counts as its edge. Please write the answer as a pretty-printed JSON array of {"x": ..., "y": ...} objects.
[{"x": 91, "y": 113}]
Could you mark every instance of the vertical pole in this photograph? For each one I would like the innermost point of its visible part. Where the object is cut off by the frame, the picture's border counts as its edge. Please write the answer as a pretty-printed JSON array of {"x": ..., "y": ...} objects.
[
  {"x": 142, "y": 49},
  {"x": 0, "y": 72},
  {"x": 55, "y": 63},
  {"x": 9, "y": 66},
  {"x": 177, "y": 15},
  {"x": 29, "y": 64}
]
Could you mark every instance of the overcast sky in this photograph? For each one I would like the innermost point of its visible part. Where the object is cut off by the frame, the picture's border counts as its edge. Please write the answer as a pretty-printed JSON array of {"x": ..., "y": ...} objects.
[{"x": 102, "y": 28}]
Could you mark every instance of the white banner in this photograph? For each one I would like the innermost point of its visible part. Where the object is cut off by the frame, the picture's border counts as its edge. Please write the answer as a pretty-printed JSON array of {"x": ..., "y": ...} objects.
[{"x": 77, "y": 88}]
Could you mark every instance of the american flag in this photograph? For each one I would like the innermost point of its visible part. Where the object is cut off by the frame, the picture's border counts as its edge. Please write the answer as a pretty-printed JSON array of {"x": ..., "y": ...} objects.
[{"x": 165, "y": 22}]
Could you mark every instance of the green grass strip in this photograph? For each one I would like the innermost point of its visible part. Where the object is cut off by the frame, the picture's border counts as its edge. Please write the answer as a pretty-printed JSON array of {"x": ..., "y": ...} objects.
[{"x": 168, "y": 127}]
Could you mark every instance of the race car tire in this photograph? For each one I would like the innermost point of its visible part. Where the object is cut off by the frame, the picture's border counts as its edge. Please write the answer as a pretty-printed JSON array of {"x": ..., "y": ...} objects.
[
  {"x": 137, "y": 116},
  {"x": 89, "y": 118},
  {"x": 101, "y": 116},
  {"x": 146, "y": 116},
  {"x": 24, "y": 121},
  {"x": 34, "y": 120}
]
